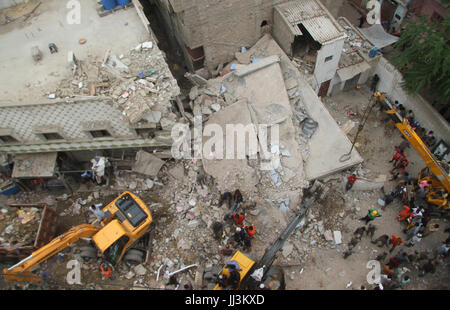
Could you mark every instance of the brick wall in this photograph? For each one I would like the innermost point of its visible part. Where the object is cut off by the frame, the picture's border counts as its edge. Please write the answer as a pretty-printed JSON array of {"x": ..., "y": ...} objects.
[{"x": 222, "y": 27}]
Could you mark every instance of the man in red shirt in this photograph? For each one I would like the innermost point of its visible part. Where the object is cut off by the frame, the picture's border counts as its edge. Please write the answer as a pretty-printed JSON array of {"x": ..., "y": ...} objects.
[{"x": 351, "y": 180}]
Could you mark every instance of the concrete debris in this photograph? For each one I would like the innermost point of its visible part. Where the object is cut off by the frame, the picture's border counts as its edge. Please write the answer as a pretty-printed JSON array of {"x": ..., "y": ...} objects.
[
  {"x": 196, "y": 79},
  {"x": 19, "y": 226},
  {"x": 337, "y": 237},
  {"x": 130, "y": 275},
  {"x": 147, "y": 164},
  {"x": 328, "y": 235},
  {"x": 140, "y": 270}
]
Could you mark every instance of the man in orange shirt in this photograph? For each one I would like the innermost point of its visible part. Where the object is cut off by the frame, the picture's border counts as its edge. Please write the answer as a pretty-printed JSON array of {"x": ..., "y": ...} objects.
[
  {"x": 250, "y": 230},
  {"x": 106, "y": 271},
  {"x": 239, "y": 219}
]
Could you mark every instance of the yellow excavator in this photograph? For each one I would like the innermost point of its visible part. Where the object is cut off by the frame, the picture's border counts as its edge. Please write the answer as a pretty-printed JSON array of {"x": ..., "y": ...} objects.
[
  {"x": 436, "y": 172},
  {"x": 252, "y": 273},
  {"x": 127, "y": 219}
]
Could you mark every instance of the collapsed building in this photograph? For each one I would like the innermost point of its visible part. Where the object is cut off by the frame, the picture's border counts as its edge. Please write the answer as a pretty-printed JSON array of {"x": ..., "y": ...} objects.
[{"x": 123, "y": 108}]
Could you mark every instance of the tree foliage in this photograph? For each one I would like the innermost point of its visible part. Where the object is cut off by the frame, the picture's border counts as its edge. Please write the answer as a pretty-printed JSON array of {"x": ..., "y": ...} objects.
[{"x": 426, "y": 56}]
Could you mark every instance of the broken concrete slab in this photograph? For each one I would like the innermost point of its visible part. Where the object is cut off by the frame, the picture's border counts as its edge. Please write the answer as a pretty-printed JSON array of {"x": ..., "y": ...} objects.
[
  {"x": 328, "y": 143},
  {"x": 232, "y": 172},
  {"x": 196, "y": 79},
  {"x": 369, "y": 185},
  {"x": 337, "y": 237},
  {"x": 140, "y": 270},
  {"x": 147, "y": 164},
  {"x": 242, "y": 71},
  {"x": 177, "y": 172},
  {"x": 287, "y": 249},
  {"x": 243, "y": 58}
]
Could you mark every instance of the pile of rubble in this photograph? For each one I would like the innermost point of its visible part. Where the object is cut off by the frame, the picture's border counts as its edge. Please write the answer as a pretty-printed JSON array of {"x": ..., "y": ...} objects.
[
  {"x": 354, "y": 45},
  {"x": 140, "y": 84},
  {"x": 18, "y": 226}
]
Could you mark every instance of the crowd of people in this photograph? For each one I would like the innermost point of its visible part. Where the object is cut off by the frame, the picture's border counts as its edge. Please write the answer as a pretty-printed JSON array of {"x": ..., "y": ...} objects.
[
  {"x": 242, "y": 237},
  {"x": 415, "y": 217}
]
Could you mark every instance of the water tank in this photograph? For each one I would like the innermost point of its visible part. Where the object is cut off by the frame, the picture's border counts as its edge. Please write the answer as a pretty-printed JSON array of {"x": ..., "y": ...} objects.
[
  {"x": 109, "y": 4},
  {"x": 123, "y": 2}
]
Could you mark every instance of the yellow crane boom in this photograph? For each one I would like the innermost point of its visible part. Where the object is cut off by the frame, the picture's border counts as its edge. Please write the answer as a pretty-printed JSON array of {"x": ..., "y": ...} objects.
[{"x": 425, "y": 153}]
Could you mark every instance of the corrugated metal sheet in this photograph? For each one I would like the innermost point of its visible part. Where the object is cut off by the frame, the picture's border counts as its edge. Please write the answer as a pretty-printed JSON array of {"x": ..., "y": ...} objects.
[
  {"x": 314, "y": 17},
  {"x": 322, "y": 29}
]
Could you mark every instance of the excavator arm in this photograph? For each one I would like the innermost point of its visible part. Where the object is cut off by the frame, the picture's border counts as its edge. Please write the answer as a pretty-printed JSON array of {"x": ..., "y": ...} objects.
[
  {"x": 22, "y": 270},
  {"x": 425, "y": 153}
]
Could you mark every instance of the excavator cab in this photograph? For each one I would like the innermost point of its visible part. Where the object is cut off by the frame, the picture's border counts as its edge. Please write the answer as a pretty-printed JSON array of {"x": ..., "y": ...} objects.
[{"x": 127, "y": 220}]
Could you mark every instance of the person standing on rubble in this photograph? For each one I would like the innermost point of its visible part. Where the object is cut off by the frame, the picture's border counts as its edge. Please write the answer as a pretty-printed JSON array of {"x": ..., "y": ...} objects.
[
  {"x": 351, "y": 180},
  {"x": 218, "y": 230},
  {"x": 395, "y": 241},
  {"x": 106, "y": 271},
  {"x": 239, "y": 219},
  {"x": 239, "y": 235},
  {"x": 373, "y": 85},
  {"x": 371, "y": 215},
  {"x": 99, "y": 214},
  {"x": 250, "y": 230}
]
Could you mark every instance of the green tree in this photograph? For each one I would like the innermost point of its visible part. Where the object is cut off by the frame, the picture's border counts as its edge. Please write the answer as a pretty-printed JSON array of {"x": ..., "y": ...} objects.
[{"x": 424, "y": 57}]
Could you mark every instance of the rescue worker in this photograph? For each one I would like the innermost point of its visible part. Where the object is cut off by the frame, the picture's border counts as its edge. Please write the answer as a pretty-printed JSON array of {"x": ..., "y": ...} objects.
[
  {"x": 397, "y": 156},
  {"x": 381, "y": 241},
  {"x": 404, "y": 214},
  {"x": 233, "y": 265},
  {"x": 239, "y": 219},
  {"x": 222, "y": 280},
  {"x": 370, "y": 231},
  {"x": 218, "y": 230},
  {"x": 250, "y": 230},
  {"x": 239, "y": 235},
  {"x": 99, "y": 214},
  {"x": 351, "y": 180},
  {"x": 234, "y": 279},
  {"x": 237, "y": 197},
  {"x": 52, "y": 47},
  {"x": 106, "y": 271},
  {"x": 395, "y": 240},
  {"x": 371, "y": 215},
  {"x": 226, "y": 197}
]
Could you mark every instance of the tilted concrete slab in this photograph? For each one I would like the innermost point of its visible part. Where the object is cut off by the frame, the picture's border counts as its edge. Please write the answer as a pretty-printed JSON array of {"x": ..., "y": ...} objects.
[
  {"x": 329, "y": 142},
  {"x": 230, "y": 174}
]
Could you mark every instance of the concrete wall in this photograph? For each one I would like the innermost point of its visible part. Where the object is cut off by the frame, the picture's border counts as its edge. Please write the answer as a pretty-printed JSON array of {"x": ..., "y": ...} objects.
[
  {"x": 221, "y": 27},
  {"x": 282, "y": 33},
  {"x": 429, "y": 118},
  {"x": 325, "y": 71},
  {"x": 8, "y": 3}
]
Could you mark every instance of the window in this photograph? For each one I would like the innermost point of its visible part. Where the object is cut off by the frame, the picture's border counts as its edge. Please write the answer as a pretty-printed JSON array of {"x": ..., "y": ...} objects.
[
  {"x": 113, "y": 253},
  {"x": 8, "y": 139},
  {"x": 100, "y": 133},
  {"x": 52, "y": 136},
  {"x": 328, "y": 58},
  {"x": 264, "y": 23}
]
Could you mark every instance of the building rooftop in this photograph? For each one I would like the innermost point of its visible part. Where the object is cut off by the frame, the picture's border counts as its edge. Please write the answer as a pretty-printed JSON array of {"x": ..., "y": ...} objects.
[
  {"x": 315, "y": 18},
  {"x": 356, "y": 47}
]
